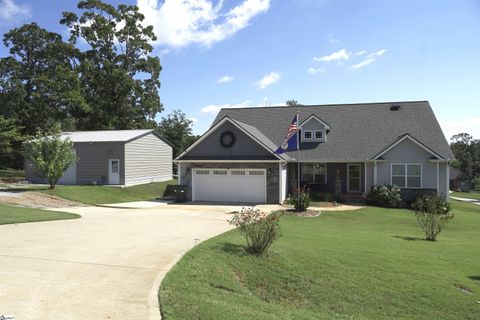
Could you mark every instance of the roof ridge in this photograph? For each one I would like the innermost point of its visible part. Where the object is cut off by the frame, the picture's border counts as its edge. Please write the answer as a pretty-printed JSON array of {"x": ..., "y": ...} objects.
[{"x": 329, "y": 105}]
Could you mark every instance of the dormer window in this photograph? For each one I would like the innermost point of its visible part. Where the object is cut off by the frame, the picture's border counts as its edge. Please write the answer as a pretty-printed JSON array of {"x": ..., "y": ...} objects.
[
  {"x": 318, "y": 134},
  {"x": 307, "y": 135}
]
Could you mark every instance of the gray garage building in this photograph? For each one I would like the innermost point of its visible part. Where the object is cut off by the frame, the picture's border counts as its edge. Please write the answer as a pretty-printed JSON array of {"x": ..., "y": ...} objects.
[{"x": 115, "y": 157}]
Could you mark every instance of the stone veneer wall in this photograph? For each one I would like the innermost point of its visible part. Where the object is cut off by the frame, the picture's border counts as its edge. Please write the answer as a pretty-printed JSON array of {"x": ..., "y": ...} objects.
[{"x": 272, "y": 176}]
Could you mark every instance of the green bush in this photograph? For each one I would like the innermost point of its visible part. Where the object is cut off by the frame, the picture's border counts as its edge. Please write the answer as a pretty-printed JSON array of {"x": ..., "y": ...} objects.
[
  {"x": 387, "y": 196},
  {"x": 432, "y": 213},
  {"x": 475, "y": 184},
  {"x": 300, "y": 199},
  {"x": 259, "y": 228}
]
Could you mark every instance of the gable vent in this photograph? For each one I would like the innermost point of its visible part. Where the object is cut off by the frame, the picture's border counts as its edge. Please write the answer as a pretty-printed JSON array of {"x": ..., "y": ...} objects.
[{"x": 394, "y": 108}]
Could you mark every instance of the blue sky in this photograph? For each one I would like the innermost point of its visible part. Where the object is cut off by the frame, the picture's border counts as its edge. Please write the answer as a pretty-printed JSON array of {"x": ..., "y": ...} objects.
[{"x": 263, "y": 52}]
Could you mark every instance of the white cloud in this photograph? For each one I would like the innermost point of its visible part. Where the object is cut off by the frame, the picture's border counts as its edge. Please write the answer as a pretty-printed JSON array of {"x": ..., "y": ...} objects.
[
  {"x": 469, "y": 125},
  {"x": 11, "y": 12},
  {"x": 362, "y": 64},
  {"x": 312, "y": 70},
  {"x": 378, "y": 53},
  {"x": 179, "y": 23},
  {"x": 335, "y": 56},
  {"x": 214, "y": 108},
  {"x": 360, "y": 53},
  {"x": 225, "y": 79},
  {"x": 371, "y": 57},
  {"x": 267, "y": 80}
]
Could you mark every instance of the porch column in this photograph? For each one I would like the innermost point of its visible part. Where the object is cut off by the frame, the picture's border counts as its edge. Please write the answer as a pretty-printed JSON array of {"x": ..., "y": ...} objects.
[
  {"x": 179, "y": 173},
  {"x": 365, "y": 178},
  {"x": 438, "y": 179},
  {"x": 375, "y": 173},
  {"x": 447, "y": 182}
]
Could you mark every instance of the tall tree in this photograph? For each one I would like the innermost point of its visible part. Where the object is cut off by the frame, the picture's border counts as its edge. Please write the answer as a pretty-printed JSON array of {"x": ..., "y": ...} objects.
[
  {"x": 177, "y": 130},
  {"x": 292, "y": 103},
  {"x": 467, "y": 155},
  {"x": 120, "y": 80},
  {"x": 9, "y": 135},
  {"x": 38, "y": 81}
]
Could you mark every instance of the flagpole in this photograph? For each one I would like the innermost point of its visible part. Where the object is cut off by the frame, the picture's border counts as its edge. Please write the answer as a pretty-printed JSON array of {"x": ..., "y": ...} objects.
[{"x": 298, "y": 156}]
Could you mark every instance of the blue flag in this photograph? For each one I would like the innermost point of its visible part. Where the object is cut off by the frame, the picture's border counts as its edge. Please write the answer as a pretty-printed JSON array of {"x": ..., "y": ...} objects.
[{"x": 291, "y": 142}]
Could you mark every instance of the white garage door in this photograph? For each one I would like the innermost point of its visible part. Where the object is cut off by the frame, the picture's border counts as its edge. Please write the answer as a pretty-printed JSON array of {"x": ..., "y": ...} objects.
[{"x": 229, "y": 185}]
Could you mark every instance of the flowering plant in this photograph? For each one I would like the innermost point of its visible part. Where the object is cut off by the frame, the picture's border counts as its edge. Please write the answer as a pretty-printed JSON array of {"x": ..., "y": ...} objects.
[{"x": 260, "y": 229}]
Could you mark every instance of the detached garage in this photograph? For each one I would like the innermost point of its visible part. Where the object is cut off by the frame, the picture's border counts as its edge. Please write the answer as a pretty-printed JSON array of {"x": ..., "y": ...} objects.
[{"x": 114, "y": 157}]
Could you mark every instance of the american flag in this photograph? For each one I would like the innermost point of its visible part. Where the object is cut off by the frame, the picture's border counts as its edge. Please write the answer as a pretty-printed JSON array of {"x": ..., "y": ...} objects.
[{"x": 290, "y": 143}]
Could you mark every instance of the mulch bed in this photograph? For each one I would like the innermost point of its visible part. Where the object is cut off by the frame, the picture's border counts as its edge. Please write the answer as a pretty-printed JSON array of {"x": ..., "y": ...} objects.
[
  {"x": 306, "y": 214},
  {"x": 322, "y": 204}
]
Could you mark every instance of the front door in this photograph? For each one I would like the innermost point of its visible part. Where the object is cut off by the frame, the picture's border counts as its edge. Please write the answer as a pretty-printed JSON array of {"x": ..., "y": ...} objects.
[
  {"x": 113, "y": 171},
  {"x": 353, "y": 178}
]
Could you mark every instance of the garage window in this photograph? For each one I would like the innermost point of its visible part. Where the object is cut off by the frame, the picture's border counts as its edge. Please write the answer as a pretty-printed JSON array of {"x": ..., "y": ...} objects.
[
  {"x": 256, "y": 172},
  {"x": 219, "y": 172},
  {"x": 238, "y": 172},
  {"x": 203, "y": 171}
]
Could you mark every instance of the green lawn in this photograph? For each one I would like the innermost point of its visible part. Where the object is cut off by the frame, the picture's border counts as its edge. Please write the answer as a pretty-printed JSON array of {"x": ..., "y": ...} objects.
[
  {"x": 108, "y": 194},
  {"x": 468, "y": 195},
  {"x": 12, "y": 214},
  {"x": 367, "y": 264}
]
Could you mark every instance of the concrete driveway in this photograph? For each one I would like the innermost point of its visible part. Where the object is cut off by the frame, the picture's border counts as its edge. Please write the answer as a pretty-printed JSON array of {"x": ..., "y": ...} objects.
[{"x": 106, "y": 265}]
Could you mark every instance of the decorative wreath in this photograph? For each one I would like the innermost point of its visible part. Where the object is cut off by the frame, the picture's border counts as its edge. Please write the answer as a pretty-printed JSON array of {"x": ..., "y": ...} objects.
[{"x": 227, "y": 139}]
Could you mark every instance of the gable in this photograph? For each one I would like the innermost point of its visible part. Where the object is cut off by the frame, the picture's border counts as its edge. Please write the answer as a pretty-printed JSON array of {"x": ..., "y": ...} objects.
[
  {"x": 407, "y": 151},
  {"x": 244, "y": 147}
]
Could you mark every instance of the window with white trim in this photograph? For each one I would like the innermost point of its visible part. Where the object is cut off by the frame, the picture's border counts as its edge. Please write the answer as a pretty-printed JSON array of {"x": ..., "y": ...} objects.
[
  {"x": 314, "y": 173},
  {"x": 318, "y": 134},
  {"x": 407, "y": 175},
  {"x": 307, "y": 134}
]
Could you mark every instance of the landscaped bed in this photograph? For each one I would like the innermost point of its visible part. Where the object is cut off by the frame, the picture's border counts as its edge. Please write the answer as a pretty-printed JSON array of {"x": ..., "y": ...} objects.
[
  {"x": 12, "y": 214},
  {"x": 371, "y": 263}
]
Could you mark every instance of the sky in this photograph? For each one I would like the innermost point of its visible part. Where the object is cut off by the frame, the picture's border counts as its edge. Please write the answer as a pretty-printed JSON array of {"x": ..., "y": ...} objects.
[{"x": 247, "y": 53}]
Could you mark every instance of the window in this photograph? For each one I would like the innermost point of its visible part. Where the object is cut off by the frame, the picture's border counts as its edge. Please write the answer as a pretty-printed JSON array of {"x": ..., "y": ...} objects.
[
  {"x": 219, "y": 172},
  {"x": 318, "y": 134},
  {"x": 238, "y": 172},
  {"x": 407, "y": 175},
  {"x": 314, "y": 173},
  {"x": 202, "y": 171},
  {"x": 307, "y": 134}
]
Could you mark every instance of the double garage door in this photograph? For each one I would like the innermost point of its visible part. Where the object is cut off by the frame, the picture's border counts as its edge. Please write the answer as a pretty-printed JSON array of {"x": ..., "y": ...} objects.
[{"x": 229, "y": 185}]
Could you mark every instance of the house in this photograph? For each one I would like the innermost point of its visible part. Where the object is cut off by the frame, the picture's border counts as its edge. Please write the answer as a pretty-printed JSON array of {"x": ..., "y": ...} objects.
[
  {"x": 114, "y": 157},
  {"x": 346, "y": 148}
]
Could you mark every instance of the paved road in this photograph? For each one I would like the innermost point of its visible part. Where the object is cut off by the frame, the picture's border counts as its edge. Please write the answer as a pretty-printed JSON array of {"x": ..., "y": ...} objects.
[{"x": 106, "y": 265}]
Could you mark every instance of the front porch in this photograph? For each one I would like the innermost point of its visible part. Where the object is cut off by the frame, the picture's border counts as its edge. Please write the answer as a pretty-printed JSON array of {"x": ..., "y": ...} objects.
[{"x": 346, "y": 179}]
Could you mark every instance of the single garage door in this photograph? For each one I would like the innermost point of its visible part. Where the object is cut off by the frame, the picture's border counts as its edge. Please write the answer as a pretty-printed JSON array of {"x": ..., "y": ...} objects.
[{"x": 229, "y": 185}]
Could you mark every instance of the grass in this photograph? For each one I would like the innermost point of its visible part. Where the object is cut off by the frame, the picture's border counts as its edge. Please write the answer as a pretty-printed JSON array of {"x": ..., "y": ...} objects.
[
  {"x": 12, "y": 214},
  {"x": 367, "y": 264},
  {"x": 107, "y": 194},
  {"x": 468, "y": 195}
]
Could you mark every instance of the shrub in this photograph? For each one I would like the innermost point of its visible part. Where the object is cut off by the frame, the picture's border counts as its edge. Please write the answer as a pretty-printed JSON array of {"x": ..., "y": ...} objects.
[
  {"x": 300, "y": 199},
  {"x": 386, "y": 195},
  {"x": 260, "y": 229},
  {"x": 432, "y": 213}
]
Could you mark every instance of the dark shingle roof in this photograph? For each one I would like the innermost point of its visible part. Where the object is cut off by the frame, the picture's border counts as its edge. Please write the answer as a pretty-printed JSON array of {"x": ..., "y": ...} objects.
[{"x": 358, "y": 131}]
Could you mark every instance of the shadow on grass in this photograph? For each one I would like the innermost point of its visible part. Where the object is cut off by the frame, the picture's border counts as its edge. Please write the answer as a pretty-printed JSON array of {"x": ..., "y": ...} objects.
[
  {"x": 231, "y": 248},
  {"x": 410, "y": 238},
  {"x": 474, "y": 278}
]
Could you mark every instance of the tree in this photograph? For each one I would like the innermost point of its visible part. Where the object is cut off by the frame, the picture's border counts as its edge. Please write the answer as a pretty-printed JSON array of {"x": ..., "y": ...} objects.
[
  {"x": 467, "y": 155},
  {"x": 292, "y": 103},
  {"x": 9, "y": 134},
  {"x": 51, "y": 154},
  {"x": 177, "y": 130},
  {"x": 119, "y": 78},
  {"x": 38, "y": 81}
]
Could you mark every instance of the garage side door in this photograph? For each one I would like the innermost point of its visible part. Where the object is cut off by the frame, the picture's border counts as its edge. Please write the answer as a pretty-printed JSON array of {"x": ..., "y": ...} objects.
[{"x": 229, "y": 185}]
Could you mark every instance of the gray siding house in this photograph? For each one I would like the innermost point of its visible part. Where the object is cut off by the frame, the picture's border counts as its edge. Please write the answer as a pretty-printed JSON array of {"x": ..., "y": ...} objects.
[
  {"x": 345, "y": 149},
  {"x": 115, "y": 157}
]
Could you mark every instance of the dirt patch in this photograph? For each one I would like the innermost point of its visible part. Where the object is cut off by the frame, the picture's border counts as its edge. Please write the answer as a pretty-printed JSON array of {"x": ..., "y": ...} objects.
[
  {"x": 323, "y": 204},
  {"x": 35, "y": 200},
  {"x": 307, "y": 213}
]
